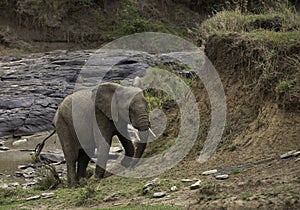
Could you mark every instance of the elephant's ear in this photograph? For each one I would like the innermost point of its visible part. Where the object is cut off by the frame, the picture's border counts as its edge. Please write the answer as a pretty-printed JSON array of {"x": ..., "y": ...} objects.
[
  {"x": 125, "y": 97},
  {"x": 104, "y": 100}
]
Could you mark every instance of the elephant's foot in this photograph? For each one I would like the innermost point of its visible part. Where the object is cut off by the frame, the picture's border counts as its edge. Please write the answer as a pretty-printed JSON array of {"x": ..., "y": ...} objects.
[
  {"x": 99, "y": 172},
  {"x": 73, "y": 184},
  {"x": 126, "y": 162},
  {"x": 134, "y": 162},
  {"x": 107, "y": 174},
  {"x": 72, "y": 179}
]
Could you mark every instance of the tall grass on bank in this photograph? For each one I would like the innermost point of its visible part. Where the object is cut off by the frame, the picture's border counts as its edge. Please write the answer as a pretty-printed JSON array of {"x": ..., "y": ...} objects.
[{"x": 226, "y": 21}]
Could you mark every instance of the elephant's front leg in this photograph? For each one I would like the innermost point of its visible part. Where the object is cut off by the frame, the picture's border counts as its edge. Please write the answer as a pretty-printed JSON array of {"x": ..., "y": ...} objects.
[
  {"x": 129, "y": 150},
  {"x": 71, "y": 174},
  {"x": 103, "y": 153}
]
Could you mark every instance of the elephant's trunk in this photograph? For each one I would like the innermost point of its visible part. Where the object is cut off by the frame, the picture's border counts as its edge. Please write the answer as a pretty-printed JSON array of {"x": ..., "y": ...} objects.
[
  {"x": 142, "y": 144},
  {"x": 143, "y": 126},
  {"x": 142, "y": 122}
]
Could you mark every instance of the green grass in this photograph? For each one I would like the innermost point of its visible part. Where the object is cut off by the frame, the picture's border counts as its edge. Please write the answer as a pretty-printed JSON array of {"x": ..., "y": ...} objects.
[
  {"x": 232, "y": 148},
  {"x": 225, "y": 22},
  {"x": 158, "y": 148},
  {"x": 92, "y": 194},
  {"x": 162, "y": 207},
  {"x": 246, "y": 195},
  {"x": 159, "y": 75},
  {"x": 236, "y": 171},
  {"x": 273, "y": 37}
]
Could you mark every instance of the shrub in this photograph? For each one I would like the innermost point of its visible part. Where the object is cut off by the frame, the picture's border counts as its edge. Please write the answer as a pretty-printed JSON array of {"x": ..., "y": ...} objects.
[{"x": 284, "y": 86}]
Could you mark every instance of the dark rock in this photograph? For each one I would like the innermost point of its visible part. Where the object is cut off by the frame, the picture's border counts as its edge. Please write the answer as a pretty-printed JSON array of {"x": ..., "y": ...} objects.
[
  {"x": 15, "y": 103},
  {"x": 4, "y": 148},
  {"x": 68, "y": 62},
  {"x": 114, "y": 155},
  {"x": 53, "y": 158},
  {"x": 19, "y": 174},
  {"x": 150, "y": 185},
  {"x": 187, "y": 180},
  {"x": 33, "y": 86}
]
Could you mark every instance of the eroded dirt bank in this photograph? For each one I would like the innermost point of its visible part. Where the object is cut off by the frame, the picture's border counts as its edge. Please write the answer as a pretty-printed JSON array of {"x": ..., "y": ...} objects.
[{"x": 261, "y": 81}]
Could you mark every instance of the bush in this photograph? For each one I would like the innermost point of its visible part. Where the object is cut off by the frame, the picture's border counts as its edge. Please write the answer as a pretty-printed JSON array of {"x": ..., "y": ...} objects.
[
  {"x": 158, "y": 75},
  {"x": 48, "y": 178},
  {"x": 133, "y": 22}
]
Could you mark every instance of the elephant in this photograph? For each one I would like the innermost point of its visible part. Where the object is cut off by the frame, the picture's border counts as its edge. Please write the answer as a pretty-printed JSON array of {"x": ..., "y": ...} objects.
[{"x": 88, "y": 119}]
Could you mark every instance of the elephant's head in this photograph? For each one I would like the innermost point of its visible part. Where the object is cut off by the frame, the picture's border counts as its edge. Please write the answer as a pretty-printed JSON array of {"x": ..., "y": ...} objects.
[{"x": 125, "y": 105}]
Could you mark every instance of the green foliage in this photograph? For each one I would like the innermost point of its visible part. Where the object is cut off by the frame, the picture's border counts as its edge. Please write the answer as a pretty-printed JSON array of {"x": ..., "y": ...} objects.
[
  {"x": 117, "y": 81},
  {"x": 236, "y": 171},
  {"x": 42, "y": 12},
  {"x": 173, "y": 67},
  {"x": 158, "y": 148},
  {"x": 47, "y": 182},
  {"x": 271, "y": 193},
  {"x": 246, "y": 195},
  {"x": 173, "y": 86},
  {"x": 155, "y": 207},
  {"x": 153, "y": 100},
  {"x": 222, "y": 22},
  {"x": 132, "y": 21},
  {"x": 284, "y": 86},
  {"x": 232, "y": 148},
  {"x": 86, "y": 194},
  {"x": 47, "y": 178}
]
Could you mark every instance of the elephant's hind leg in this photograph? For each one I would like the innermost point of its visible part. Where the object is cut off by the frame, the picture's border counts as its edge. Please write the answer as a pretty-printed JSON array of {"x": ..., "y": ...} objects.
[
  {"x": 82, "y": 163},
  {"x": 70, "y": 149}
]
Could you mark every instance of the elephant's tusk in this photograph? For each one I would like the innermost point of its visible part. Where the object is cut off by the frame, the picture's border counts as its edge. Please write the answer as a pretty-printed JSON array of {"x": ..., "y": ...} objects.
[{"x": 151, "y": 131}]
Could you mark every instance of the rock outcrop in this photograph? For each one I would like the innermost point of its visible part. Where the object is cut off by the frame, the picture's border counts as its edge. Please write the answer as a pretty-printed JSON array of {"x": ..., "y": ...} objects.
[{"x": 33, "y": 86}]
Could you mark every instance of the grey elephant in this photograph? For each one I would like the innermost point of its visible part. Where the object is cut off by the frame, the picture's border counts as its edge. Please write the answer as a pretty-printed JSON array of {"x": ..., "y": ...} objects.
[{"x": 89, "y": 118}]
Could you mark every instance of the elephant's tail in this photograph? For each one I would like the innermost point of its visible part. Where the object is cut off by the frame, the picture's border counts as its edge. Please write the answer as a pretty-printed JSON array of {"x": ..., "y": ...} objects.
[{"x": 41, "y": 145}]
